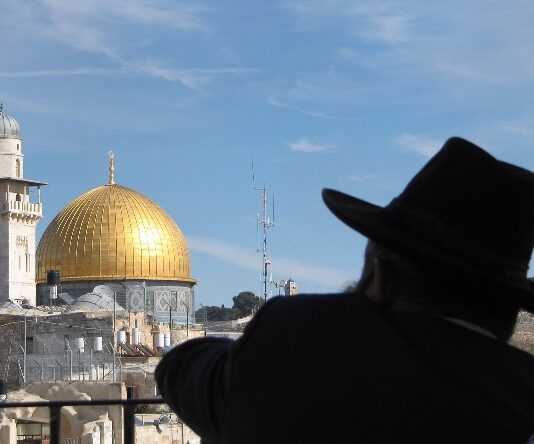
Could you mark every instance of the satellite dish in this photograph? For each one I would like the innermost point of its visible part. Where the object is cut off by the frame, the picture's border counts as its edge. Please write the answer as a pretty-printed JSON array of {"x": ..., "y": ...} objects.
[{"x": 162, "y": 422}]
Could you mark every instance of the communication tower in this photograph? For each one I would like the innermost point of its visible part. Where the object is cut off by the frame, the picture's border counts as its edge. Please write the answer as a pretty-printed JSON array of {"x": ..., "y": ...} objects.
[{"x": 266, "y": 223}]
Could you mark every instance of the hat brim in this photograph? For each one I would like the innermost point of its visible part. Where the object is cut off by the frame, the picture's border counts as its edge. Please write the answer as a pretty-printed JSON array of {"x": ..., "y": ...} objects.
[{"x": 379, "y": 225}]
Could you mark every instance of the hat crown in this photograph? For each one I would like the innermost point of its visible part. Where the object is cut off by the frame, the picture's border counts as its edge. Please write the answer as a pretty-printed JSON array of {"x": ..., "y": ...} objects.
[
  {"x": 469, "y": 191},
  {"x": 465, "y": 214}
]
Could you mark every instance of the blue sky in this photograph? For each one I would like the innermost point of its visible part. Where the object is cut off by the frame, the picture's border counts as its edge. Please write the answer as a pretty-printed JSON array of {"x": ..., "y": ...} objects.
[{"x": 353, "y": 95}]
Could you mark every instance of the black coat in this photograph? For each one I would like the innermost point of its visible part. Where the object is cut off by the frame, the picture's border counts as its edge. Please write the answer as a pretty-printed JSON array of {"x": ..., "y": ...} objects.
[{"x": 334, "y": 369}]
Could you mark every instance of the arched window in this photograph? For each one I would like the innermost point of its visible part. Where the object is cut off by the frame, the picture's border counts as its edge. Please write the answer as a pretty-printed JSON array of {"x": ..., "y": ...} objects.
[
  {"x": 17, "y": 167},
  {"x": 18, "y": 198}
]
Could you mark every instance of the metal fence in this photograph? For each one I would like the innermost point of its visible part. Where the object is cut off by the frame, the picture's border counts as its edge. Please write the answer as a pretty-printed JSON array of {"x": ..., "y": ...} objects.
[{"x": 73, "y": 364}]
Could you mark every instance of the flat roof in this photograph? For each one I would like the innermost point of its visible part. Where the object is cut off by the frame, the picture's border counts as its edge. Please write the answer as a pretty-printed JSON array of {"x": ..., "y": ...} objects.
[{"x": 30, "y": 182}]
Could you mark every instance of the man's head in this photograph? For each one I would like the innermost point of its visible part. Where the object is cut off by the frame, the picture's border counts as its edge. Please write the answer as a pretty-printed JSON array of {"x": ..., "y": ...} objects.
[
  {"x": 466, "y": 218},
  {"x": 393, "y": 282}
]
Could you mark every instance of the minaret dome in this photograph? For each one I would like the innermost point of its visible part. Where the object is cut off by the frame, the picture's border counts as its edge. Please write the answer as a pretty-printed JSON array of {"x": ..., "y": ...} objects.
[
  {"x": 12, "y": 159},
  {"x": 9, "y": 127}
]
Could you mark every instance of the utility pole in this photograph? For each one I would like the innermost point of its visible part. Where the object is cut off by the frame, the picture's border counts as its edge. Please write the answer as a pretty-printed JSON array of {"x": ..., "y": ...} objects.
[
  {"x": 170, "y": 317},
  {"x": 25, "y": 353},
  {"x": 114, "y": 320},
  {"x": 205, "y": 320},
  {"x": 186, "y": 306}
]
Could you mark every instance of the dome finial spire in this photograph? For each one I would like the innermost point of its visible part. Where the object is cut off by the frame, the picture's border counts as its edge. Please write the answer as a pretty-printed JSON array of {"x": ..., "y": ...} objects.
[{"x": 111, "y": 155}]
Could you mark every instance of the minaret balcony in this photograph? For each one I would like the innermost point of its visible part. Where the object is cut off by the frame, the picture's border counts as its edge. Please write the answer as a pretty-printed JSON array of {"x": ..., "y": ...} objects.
[{"x": 21, "y": 209}]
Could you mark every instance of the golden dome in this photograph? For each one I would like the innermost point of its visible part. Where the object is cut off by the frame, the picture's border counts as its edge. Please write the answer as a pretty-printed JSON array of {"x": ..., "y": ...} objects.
[{"x": 112, "y": 233}]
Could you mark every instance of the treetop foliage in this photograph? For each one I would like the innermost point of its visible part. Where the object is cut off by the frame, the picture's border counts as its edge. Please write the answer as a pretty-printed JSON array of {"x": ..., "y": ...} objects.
[{"x": 244, "y": 304}]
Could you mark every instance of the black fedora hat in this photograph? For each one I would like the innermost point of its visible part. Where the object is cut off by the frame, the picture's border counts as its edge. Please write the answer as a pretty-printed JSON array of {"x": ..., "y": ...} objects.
[{"x": 464, "y": 212}]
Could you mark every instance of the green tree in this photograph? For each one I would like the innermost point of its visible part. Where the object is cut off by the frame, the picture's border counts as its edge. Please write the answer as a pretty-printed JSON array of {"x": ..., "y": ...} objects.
[
  {"x": 246, "y": 303},
  {"x": 215, "y": 313}
]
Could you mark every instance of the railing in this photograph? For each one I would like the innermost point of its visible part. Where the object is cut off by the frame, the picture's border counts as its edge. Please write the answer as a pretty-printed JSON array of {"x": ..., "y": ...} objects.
[
  {"x": 29, "y": 207},
  {"x": 55, "y": 407}
]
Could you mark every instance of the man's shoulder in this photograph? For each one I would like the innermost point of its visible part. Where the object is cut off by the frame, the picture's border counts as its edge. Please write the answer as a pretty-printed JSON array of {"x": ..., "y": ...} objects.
[
  {"x": 312, "y": 304},
  {"x": 314, "y": 299},
  {"x": 301, "y": 314}
]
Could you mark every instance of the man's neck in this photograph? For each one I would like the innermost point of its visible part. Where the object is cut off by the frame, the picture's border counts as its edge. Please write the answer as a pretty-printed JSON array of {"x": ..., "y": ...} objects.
[{"x": 461, "y": 322}]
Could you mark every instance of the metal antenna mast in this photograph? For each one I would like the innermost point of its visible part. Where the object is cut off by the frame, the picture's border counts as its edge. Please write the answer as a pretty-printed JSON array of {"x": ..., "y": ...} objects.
[{"x": 266, "y": 223}]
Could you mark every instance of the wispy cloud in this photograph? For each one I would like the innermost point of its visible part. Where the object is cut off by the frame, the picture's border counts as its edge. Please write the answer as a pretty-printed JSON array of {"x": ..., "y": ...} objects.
[
  {"x": 313, "y": 92},
  {"x": 193, "y": 78},
  {"x": 429, "y": 39},
  {"x": 383, "y": 21},
  {"x": 82, "y": 71},
  {"x": 279, "y": 104},
  {"x": 424, "y": 146},
  {"x": 88, "y": 24},
  {"x": 306, "y": 146},
  {"x": 325, "y": 86},
  {"x": 458, "y": 52},
  {"x": 104, "y": 26},
  {"x": 224, "y": 251},
  {"x": 175, "y": 14},
  {"x": 244, "y": 258}
]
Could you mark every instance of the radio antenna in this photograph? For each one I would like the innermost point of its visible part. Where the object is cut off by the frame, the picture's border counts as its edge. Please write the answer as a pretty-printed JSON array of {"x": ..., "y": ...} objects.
[{"x": 266, "y": 223}]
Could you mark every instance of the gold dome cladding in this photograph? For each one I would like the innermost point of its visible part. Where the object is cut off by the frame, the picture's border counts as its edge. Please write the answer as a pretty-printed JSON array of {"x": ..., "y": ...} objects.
[{"x": 113, "y": 232}]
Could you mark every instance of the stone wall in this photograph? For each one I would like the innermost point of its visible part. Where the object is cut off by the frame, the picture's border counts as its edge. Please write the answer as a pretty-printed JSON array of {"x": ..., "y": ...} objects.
[
  {"x": 523, "y": 336},
  {"x": 93, "y": 424}
]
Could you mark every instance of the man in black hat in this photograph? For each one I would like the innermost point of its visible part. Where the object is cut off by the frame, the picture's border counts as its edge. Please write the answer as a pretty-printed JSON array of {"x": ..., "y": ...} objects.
[{"x": 417, "y": 353}]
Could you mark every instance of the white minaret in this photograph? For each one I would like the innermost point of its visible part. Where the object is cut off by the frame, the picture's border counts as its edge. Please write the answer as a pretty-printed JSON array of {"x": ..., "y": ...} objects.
[{"x": 18, "y": 217}]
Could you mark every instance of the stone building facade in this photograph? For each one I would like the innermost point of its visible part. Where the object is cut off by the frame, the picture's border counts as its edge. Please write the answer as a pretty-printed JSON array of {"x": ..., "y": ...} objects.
[{"x": 39, "y": 345}]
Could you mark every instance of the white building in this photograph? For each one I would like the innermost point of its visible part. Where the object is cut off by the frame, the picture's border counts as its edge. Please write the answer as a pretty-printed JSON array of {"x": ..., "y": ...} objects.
[
  {"x": 18, "y": 217},
  {"x": 290, "y": 288}
]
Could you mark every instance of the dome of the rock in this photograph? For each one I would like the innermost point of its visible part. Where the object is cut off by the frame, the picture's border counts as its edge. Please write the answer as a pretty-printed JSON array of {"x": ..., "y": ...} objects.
[{"x": 113, "y": 233}]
